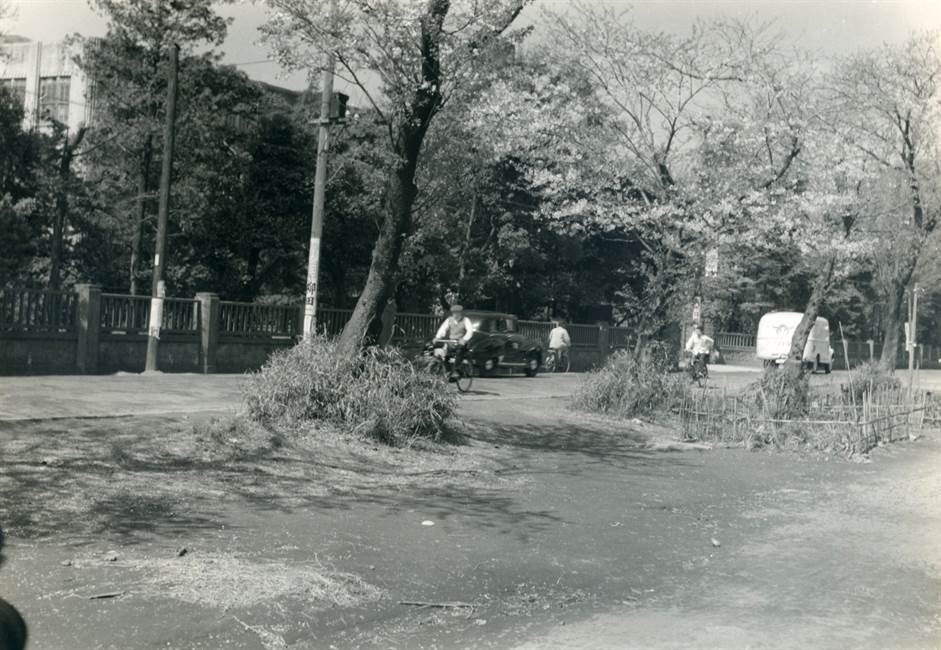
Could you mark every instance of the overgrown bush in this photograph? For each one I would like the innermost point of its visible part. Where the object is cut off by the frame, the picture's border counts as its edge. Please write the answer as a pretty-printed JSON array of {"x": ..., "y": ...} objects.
[
  {"x": 379, "y": 394},
  {"x": 628, "y": 386},
  {"x": 781, "y": 393},
  {"x": 870, "y": 376}
]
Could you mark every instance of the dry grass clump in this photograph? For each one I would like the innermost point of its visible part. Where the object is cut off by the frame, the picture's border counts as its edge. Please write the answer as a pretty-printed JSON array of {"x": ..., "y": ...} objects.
[
  {"x": 379, "y": 394},
  {"x": 870, "y": 377},
  {"x": 781, "y": 394},
  {"x": 628, "y": 387},
  {"x": 233, "y": 582}
]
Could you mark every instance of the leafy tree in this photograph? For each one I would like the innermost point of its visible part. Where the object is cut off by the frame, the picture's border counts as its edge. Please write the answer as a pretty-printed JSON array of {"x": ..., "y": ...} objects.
[
  {"x": 40, "y": 197},
  {"x": 420, "y": 52},
  {"x": 128, "y": 68},
  {"x": 888, "y": 103}
]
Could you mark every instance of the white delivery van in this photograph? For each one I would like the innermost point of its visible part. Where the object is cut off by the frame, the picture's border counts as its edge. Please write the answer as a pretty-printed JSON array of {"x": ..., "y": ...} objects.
[{"x": 775, "y": 331}]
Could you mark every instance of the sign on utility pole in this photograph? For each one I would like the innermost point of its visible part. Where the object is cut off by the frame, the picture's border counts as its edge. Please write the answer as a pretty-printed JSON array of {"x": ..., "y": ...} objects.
[
  {"x": 158, "y": 290},
  {"x": 320, "y": 184}
]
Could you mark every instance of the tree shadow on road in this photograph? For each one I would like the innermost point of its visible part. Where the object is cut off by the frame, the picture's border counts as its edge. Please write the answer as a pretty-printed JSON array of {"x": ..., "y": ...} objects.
[{"x": 130, "y": 479}]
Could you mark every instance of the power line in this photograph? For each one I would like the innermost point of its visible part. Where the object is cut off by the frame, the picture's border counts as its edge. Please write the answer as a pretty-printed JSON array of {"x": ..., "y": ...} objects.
[{"x": 257, "y": 62}]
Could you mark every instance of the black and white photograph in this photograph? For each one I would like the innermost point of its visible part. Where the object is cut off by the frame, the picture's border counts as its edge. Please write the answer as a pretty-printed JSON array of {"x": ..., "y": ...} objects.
[{"x": 470, "y": 324}]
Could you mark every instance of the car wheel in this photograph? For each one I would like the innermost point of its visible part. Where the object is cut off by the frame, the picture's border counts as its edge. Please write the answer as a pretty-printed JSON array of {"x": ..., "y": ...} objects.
[
  {"x": 490, "y": 365},
  {"x": 532, "y": 366}
]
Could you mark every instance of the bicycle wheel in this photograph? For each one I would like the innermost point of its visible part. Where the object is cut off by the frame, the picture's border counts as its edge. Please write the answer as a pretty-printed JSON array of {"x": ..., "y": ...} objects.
[
  {"x": 701, "y": 375},
  {"x": 550, "y": 362},
  {"x": 465, "y": 376},
  {"x": 564, "y": 363}
]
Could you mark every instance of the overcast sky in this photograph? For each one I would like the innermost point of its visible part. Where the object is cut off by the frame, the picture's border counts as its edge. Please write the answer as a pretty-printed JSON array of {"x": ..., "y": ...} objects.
[{"x": 829, "y": 25}]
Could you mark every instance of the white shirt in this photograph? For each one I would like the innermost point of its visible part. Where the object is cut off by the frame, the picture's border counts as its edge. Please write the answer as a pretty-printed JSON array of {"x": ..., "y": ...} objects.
[
  {"x": 559, "y": 338},
  {"x": 699, "y": 344},
  {"x": 452, "y": 328}
]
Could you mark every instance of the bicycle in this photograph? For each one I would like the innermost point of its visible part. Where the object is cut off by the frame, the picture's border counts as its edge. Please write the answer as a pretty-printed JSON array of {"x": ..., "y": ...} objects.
[
  {"x": 557, "y": 360},
  {"x": 461, "y": 375},
  {"x": 698, "y": 369}
]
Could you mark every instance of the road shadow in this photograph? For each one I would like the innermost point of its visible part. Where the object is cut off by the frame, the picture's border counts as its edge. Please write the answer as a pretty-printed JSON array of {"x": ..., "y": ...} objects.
[{"x": 130, "y": 479}]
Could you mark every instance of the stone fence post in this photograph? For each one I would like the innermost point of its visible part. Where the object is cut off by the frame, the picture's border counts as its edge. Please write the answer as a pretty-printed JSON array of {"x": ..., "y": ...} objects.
[
  {"x": 89, "y": 325},
  {"x": 209, "y": 330}
]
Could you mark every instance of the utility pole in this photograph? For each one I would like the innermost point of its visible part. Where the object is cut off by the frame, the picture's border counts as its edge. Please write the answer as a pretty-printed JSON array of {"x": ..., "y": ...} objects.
[
  {"x": 912, "y": 338},
  {"x": 320, "y": 184},
  {"x": 158, "y": 289}
]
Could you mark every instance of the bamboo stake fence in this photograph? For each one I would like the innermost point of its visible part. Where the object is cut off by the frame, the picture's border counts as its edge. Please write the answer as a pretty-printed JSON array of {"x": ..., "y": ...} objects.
[{"x": 883, "y": 416}]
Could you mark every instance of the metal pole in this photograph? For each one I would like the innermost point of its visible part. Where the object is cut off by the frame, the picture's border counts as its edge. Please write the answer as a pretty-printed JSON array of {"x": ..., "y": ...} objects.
[
  {"x": 320, "y": 184},
  {"x": 158, "y": 290}
]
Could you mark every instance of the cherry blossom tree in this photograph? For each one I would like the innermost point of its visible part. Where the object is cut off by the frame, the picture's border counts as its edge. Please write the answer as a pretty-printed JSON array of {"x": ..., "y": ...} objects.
[{"x": 889, "y": 109}]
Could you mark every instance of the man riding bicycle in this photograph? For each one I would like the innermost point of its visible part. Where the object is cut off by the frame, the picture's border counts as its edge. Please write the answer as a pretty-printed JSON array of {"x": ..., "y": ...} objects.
[
  {"x": 559, "y": 341},
  {"x": 698, "y": 346},
  {"x": 456, "y": 330}
]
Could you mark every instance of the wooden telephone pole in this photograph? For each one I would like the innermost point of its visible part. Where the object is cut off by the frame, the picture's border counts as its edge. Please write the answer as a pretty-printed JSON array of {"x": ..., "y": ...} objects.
[
  {"x": 320, "y": 185},
  {"x": 158, "y": 290}
]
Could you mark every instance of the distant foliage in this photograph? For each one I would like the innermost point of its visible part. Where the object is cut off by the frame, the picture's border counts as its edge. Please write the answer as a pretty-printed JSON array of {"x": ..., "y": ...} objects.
[
  {"x": 379, "y": 394},
  {"x": 628, "y": 386}
]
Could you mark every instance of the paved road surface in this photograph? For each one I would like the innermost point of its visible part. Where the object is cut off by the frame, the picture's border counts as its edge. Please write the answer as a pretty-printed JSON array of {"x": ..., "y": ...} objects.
[{"x": 155, "y": 394}]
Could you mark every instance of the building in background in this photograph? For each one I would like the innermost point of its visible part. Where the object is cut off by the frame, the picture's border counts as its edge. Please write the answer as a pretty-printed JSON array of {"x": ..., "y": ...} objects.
[{"x": 46, "y": 80}]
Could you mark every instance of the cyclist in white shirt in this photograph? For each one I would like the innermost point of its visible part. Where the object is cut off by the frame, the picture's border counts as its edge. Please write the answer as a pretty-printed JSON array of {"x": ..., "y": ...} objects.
[
  {"x": 559, "y": 340},
  {"x": 698, "y": 343},
  {"x": 458, "y": 328}
]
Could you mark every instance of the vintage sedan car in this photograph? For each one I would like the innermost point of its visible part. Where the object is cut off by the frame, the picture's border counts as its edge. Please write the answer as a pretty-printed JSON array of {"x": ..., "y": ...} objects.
[{"x": 497, "y": 344}]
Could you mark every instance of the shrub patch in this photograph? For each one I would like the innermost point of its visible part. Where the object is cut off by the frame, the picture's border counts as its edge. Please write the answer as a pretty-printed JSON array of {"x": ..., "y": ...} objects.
[{"x": 380, "y": 394}]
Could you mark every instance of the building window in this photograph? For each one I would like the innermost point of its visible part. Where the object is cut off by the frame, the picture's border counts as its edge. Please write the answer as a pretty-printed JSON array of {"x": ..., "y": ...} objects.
[
  {"x": 17, "y": 88},
  {"x": 54, "y": 98}
]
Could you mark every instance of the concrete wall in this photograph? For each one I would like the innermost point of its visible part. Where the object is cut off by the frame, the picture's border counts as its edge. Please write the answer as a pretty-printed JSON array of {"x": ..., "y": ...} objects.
[
  {"x": 242, "y": 355},
  {"x": 128, "y": 353},
  {"x": 24, "y": 353}
]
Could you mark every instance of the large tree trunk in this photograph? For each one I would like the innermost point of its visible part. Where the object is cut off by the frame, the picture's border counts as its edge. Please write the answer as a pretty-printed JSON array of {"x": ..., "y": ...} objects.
[
  {"x": 795, "y": 362},
  {"x": 922, "y": 230},
  {"x": 465, "y": 249},
  {"x": 892, "y": 316},
  {"x": 365, "y": 324},
  {"x": 143, "y": 187}
]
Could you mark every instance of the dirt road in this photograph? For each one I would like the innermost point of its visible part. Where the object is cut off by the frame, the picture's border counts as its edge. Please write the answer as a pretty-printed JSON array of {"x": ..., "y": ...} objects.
[{"x": 548, "y": 530}]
